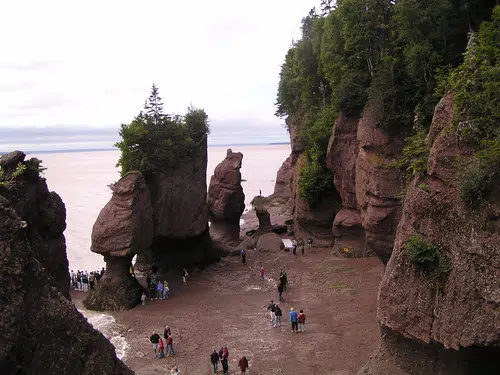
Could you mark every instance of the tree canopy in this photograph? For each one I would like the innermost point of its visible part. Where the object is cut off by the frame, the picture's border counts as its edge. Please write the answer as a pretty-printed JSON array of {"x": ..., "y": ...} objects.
[
  {"x": 153, "y": 140},
  {"x": 360, "y": 50}
]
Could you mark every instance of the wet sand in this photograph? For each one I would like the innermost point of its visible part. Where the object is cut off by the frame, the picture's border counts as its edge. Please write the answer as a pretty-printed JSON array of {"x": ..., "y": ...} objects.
[{"x": 226, "y": 304}]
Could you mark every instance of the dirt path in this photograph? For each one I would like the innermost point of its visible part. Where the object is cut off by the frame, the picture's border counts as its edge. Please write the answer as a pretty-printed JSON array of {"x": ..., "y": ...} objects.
[{"x": 225, "y": 304}]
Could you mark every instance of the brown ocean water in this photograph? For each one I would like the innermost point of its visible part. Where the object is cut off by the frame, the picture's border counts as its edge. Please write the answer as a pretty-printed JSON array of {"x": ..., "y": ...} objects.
[{"x": 81, "y": 179}]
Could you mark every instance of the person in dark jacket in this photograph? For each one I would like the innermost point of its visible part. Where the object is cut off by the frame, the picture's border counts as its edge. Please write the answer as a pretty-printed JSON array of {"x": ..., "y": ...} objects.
[
  {"x": 280, "y": 292},
  {"x": 214, "y": 358},
  {"x": 243, "y": 256},
  {"x": 167, "y": 332},
  {"x": 277, "y": 316},
  {"x": 243, "y": 364},
  {"x": 224, "y": 355},
  {"x": 272, "y": 307},
  {"x": 155, "y": 339}
]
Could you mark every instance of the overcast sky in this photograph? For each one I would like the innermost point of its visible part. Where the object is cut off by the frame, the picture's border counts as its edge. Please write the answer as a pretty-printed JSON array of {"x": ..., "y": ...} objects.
[{"x": 90, "y": 62}]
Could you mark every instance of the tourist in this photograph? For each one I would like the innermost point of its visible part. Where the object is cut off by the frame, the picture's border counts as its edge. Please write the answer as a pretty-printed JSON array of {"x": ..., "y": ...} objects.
[
  {"x": 170, "y": 346},
  {"x": 166, "y": 332},
  {"x": 260, "y": 193},
  {"x": 184, "y": 276},
  {"x": 280, "y": 291},
  {"x": 293, "y": 320},
  {"x": 302, "y": 321},
  {"x": 132, "y": 272},
  {"x": 303, "y": 249},
  {"x": 272, "y": 308},
  {"x": 85, "y": 282},
  {"x": 166, "y": 290},
  {"x": 102, "y": 272},
  {"x": 243, "y": 364},
  {"x": 161, "y": 352},
  {"x": 224, "y": 355},
  {"x": 91, "y": 280},
  {"x": 261, "y": 271},
  {"x": 152, "y": 288},
  {"x": 283, "y": 279},
  {"x": 154, "y": 339},
  {"x": 143, "y": 298},
  {"x": 294, "y": 245},
  {"x": 277, "y": 316},
  {"x": 214, "y": 359},
  {"x": 309, "y": 243},
  {"x": 175, "y": 371},
  {"x": 159, "y": 290},
  {"x": 243, "y": 256}
]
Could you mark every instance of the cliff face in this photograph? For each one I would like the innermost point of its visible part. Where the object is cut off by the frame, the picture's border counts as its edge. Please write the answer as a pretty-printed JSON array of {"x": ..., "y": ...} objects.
[
  {"x": 420, "y": 316},
  {"x": 42, "y": 332},
  {"x": 226, "y": 200},
  {"x": 43, "y": 211},
  {"x": 363, "y": 210}
]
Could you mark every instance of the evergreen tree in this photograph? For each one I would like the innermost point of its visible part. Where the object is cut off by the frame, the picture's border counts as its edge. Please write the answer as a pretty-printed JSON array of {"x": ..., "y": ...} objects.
[{"x": 154, "y": 105}]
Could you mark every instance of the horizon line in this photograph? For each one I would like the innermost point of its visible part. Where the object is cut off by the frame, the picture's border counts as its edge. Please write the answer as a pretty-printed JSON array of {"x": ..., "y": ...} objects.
[{"x": 61, "y": 151}]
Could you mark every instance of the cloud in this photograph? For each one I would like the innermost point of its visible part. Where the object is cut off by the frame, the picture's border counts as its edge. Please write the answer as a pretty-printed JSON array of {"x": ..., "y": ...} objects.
[{"x": 93, "y": 62}]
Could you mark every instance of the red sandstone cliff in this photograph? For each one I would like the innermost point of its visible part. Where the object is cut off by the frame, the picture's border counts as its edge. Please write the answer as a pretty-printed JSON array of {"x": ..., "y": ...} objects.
[{"x": 452, "y": 326}]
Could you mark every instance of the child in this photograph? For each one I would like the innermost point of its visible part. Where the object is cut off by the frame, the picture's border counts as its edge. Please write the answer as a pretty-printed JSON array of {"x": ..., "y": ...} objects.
[
  {"x": 261, "y": 271},
  {"x": 302, "y": 321},
  {"x": 166, "y": 290},
  {"x": 161, "y": 351},
  {"x": 143, "y": 298}
]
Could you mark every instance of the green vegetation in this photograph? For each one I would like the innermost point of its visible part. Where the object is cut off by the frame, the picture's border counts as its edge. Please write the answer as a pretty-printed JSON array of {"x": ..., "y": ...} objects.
[
  {"x": 425, "y": 187},
  {"x": 476, "y": 83},
  {"x": 20, "y": 169},
  {"x": 154, "y": 140},
  {"x": 415, "y": 155},
  {"x": 31, "y": 166},
  {"x": 380, "y": 51},
  {"x": 428, "y": 257}
]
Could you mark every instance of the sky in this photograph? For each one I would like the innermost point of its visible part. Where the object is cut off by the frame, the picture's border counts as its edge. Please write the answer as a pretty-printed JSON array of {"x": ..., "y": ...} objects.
[{"x": 73, "y": 64}]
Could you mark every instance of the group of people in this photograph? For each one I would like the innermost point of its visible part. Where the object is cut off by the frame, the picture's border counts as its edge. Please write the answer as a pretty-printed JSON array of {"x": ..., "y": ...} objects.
[
  {"x": 84, "y": 281},
  {"x": 223, "y": 355},
  {"x": 159, "y": 346},
  {"x": 298, "y": 320},
  {"x": 157, "y": 289}
]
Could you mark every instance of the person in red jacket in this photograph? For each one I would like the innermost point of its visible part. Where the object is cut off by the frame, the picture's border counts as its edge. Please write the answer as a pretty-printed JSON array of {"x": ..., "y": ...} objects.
[
  {"x": 243, "y": 364},
  {"x": 302, "y": 321}
]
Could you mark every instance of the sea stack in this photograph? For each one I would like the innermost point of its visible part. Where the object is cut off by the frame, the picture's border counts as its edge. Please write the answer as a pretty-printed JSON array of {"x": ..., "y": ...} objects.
[
  {"x": 123, "y": 229},
  {"x": 226, "y": 200}
]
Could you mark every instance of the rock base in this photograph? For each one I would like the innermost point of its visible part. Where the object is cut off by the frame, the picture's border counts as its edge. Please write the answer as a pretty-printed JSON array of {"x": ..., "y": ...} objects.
[{"x": 401, "y": 356}]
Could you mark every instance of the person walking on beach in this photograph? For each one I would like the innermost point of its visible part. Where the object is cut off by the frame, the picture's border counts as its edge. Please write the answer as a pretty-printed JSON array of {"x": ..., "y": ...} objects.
[
  {"x": 143, "y": 298},
  {"x": 280, "y": 292},
  {"x": 243, "y": 256},
  {"x": 277, "y": 316},
  {"x": 184, "y": 276},
  {"x": 309, "y": 243},
  {"x": 159, "y": 290},
  {"x": 224, "y": 355},
  {"x": 214, "y": 359},
  {"x": 161, "y": 352},
  {"x": 152, "y": 288},
  {"x": 294, "y": 320},
  {"x": 283, "y": 279},
  {"x": 243, "y": 364},
  {"x": 272, "y": 309},
  {"x": 154, "y": 339},
  {"x": 166, "y": 332},
  {"x": 166, "y": 290},
  {"x": 302, "y": 321},
  {"x": 261, "y": 272},
  {"x": 91, "y": 280},
  {"x": 303, "y": 249},
  {"x": 294, "y": 245},
  {"x": 170, "y": 346}
]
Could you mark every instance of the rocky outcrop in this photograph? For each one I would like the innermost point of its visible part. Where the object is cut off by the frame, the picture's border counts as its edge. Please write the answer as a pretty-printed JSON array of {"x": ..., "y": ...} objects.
[
  {"x": 282, "y": 186},
  {"x": 42, "y": 332},
  {"x": 378, "y": 184},
  {"x": 123, "y": 229},
  {"x": 452, "y": 318},
  {"x": 264, "y": 219},
  {"x": 179, "y": 197},
  {"x": 226, "y": 200},
  {"x": 43, "y": 211},
  {"x": 269, "y": 242}
]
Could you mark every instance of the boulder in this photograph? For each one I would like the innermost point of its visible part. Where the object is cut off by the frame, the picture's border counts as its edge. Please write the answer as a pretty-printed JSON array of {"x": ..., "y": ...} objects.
[
  {"x": 42, "y": 331},
  {"x": 226, "y": 200},
  {"x": 269, "y": 242},
  {"x": 264, "y": 219},
  {"x": 123, "y": 229},
  {"x": 44, "y": 213}
]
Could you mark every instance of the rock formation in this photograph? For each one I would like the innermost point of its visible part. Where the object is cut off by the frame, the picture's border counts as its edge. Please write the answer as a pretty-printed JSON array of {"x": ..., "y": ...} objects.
[
  {"x": 123, "y": 229},
  {"x": 378, "y": 185},
  {"x": 284, "y": 177},
  {"x": 42, "y": 332},
  {"x": 269, "y": 242},
  {"x": 226, "y": 200},
  {"x": 448, "y": 324},
  {"x": 43, "y": 211},
  {"x": 264, "y": 219}
]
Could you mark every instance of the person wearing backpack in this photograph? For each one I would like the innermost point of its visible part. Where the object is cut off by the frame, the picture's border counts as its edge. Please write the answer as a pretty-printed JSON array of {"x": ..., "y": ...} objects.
[
  {"x": 214, "y": 359},
  {"x": 294, "y": 320},
  {"x": 243, "y": 256},
  {"x": 272, "y": 308}
]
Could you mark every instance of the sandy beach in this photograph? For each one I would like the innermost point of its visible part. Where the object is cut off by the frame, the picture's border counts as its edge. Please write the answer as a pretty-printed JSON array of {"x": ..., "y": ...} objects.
[{"x": 226, "y": 304}]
